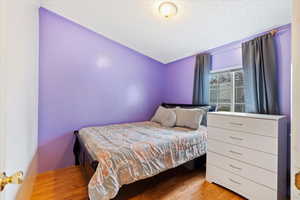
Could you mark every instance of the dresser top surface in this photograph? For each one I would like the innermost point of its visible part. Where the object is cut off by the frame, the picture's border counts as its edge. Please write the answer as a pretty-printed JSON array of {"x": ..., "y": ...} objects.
[{"x": 249, "y": 115}]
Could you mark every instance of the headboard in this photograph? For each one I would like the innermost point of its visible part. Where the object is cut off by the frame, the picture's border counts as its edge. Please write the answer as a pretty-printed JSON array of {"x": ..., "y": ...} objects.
[{"x": 173, "y": 105}]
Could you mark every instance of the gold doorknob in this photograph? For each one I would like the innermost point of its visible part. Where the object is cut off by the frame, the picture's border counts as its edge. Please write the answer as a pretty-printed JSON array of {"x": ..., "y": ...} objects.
[
  {"x": 14, "y": 179},
  {"x": 297, "y": 180}
]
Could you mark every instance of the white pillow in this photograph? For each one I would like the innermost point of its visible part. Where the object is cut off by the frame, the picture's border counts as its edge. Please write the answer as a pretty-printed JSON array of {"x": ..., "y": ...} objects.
[
  {"x": 190, "y": 118},
  {"x": 164, "y": 116}
]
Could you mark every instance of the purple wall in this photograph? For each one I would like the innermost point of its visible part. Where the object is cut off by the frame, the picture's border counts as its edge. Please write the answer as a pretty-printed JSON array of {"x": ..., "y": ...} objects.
[
  {"x": 180, "y": 74},
  {"x": 86, "y": 79}
]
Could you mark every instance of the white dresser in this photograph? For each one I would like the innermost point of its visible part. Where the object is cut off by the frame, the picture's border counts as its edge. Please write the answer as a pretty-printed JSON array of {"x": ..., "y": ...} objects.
[{"x": 247, "y": 153}]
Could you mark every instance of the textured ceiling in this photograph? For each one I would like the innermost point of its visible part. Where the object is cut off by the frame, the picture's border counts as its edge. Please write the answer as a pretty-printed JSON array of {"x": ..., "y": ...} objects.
[{"x": 200, "y": 24}]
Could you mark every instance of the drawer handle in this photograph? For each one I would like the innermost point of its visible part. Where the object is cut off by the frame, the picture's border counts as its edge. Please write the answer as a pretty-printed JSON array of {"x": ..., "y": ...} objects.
[
  {"x": 236, "y": 138},
  {"x": 236, "y": 124},
  {"x": 238, "y": 183},
  {"x": 234, "y": 152},
  {"x": 234, "y": 167}
]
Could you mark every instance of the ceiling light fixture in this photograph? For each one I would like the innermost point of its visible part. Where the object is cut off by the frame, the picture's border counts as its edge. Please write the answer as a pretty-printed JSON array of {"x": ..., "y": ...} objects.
[{"x": 168, "y": 9}]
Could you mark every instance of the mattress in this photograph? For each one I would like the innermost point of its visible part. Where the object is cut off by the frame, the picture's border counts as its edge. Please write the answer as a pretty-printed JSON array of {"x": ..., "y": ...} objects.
[{"x": 135, "y": 151}]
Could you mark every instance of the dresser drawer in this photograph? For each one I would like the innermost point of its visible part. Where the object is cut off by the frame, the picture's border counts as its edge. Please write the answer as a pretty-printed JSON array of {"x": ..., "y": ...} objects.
[
  {"x": 260, "y": 143},
  {"x": 255, "y": 174},
  {"x": 256, "y": 158},
  {"x": 240, "y": 185},
  {"x": 245, "y": 124}
]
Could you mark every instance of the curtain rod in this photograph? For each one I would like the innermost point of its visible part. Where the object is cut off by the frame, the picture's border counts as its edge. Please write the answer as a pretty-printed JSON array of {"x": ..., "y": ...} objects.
[
  {"x": 273, "y": 32},
  {"x": 276, "y": 31}
]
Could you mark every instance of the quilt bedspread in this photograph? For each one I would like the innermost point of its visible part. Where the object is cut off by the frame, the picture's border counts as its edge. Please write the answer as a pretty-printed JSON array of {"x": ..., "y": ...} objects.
[{"x": 135, "y": 151}]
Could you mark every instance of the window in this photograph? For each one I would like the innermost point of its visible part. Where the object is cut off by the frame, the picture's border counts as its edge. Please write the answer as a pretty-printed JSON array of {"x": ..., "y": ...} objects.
[{"x": 226, "y": 90}]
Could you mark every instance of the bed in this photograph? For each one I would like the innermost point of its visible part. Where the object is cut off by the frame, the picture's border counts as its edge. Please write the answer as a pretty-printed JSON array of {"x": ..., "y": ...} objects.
[{"x": 117, "y": 155}]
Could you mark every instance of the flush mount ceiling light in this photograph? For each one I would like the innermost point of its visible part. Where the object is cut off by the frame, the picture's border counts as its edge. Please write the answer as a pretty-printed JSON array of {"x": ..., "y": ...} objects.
[{"x": 168, "y": 9}]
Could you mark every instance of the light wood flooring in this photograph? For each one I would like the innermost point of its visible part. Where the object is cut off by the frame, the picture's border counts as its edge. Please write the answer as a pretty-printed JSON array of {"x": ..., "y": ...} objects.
[{"x": 175, "y": 184}]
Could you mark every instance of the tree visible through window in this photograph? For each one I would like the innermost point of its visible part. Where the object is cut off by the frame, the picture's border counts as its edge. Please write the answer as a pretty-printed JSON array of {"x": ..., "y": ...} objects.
[{"x": 227, "y": 91}]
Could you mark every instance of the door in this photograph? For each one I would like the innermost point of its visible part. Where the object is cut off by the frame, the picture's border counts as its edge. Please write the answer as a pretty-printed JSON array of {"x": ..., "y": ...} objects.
[
  {"x": 295, "y": 140},
  {"x": 18, "y": 93}
]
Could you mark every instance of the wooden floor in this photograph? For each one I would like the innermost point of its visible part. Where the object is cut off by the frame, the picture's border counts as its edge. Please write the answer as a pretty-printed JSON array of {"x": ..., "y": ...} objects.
[{"x": 175, "y": 184}]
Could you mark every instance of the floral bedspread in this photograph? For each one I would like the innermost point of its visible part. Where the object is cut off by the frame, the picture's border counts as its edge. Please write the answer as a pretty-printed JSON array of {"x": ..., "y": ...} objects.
[{"x": 135, "y": 151}]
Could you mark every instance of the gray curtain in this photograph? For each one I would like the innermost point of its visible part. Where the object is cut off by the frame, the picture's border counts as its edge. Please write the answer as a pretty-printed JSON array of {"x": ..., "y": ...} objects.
[
  {"x": 201, "y": 80},
  {"x": 260, "y": 69}
]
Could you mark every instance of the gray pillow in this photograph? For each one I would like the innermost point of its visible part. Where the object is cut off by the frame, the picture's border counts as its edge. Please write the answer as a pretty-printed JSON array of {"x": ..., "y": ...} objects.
[
  {"x": 190, "y": 118},
  {"x": 204, "y": 108},
  {"x": 164, "y": 116}
]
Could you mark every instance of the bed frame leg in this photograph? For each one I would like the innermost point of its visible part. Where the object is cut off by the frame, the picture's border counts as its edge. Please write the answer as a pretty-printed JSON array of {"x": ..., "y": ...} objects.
[
  {"x": 200, "y": 162},
  {"x": 76, "y": 148}
]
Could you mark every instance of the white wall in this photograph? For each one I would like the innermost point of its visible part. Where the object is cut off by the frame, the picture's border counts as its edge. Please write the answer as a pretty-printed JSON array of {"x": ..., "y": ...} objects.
[
  {"x": 2, "y": 45},
  {"x": 295, "y": 194},
  {"x": 19, "y": 91}
]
